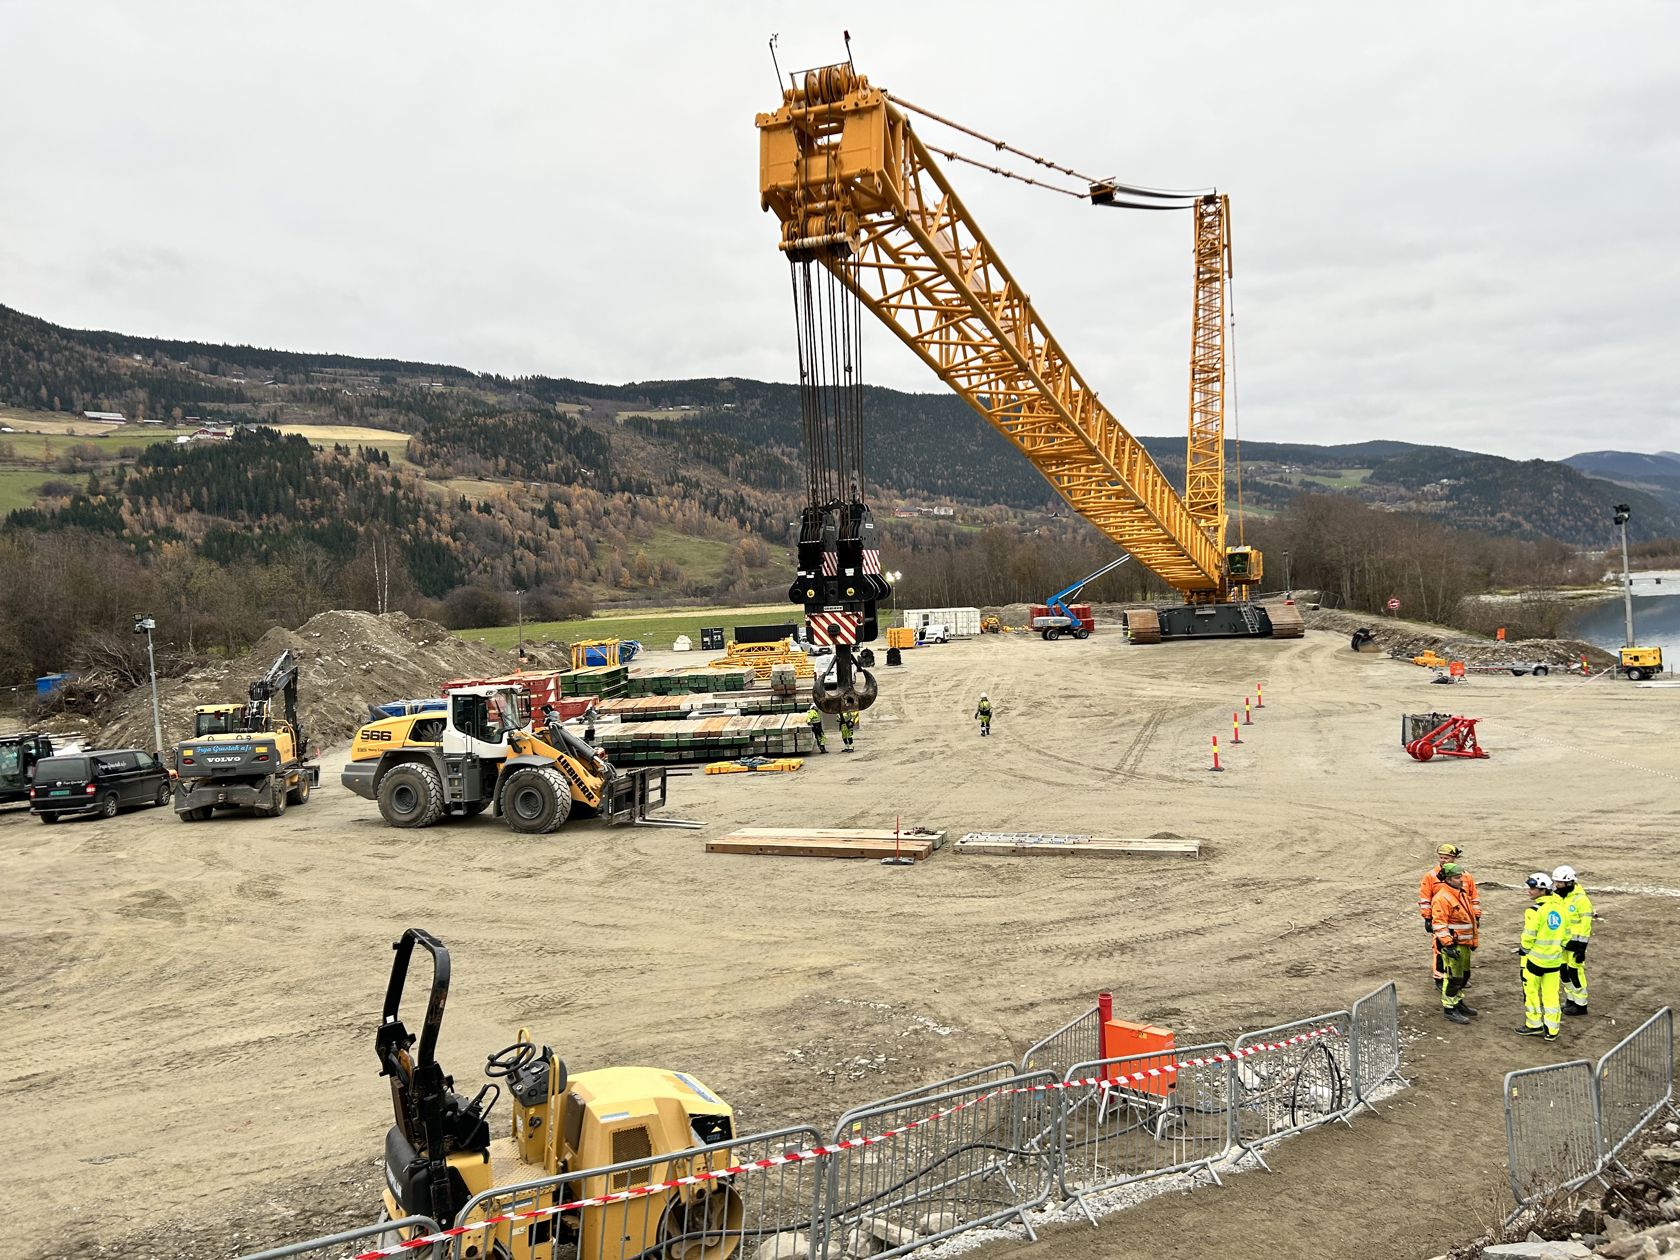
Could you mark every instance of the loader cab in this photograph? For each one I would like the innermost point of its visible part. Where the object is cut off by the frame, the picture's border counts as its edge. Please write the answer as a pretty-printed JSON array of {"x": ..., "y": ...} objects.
[{"x": 480, "y": 720}]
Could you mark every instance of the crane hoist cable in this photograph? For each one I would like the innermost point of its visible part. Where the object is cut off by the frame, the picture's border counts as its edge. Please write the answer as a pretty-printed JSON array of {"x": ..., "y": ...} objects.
[{"x": 838, "y": 579}]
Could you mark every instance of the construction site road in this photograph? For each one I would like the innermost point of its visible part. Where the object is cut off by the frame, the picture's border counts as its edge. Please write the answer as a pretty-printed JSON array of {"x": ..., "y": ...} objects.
[{"x": 188, "y": 1067}]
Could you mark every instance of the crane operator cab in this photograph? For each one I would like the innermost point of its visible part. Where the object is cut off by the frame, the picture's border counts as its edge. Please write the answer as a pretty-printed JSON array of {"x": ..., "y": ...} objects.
[{"x": 440, "y": 1153}]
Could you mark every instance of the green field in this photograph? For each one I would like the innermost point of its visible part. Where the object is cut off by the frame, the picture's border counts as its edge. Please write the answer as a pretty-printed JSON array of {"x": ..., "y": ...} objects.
[
  {"x": 45, "y": 446},
  {"x": 18, "y": 489},
  {"x": 655, "y": 628},
  {"x": 1340, "y": 480}
]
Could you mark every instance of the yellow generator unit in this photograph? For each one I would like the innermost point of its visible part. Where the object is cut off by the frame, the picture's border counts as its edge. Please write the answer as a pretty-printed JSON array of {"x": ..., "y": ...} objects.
[
  {"x": 439, "y": 1153},
  {"x": 1640, "y": 663}
]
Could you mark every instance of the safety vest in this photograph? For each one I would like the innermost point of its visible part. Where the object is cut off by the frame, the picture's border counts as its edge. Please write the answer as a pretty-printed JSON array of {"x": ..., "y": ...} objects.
[
  {"x": 1545, "y": 929},
  {"x": 985, "y": 709},
  {"x": 813, "y": 718},
  {"x": 1432, "y": 883},
  {"x": 1451, "y": 917},
  {"x": 1579, "y": 914},
  {"x": 848, "y": 723}
]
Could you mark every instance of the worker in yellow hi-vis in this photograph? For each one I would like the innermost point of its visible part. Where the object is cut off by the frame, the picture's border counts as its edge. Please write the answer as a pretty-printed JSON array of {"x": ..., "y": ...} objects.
[
  {"x": 813, "y": 719},
  {"x": 1579, "y": 917},
  {"x": 848, "y": 727},
  {"x": 1545, "y": 929}
]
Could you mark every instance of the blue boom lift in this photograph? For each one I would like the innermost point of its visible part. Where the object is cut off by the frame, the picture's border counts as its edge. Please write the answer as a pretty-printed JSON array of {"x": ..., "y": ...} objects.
[{"x": 1061, "y": 618}]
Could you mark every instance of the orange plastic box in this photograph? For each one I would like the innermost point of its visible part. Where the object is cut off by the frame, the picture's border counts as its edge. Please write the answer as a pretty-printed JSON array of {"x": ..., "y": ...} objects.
[{"x": 1121, "y": 1037}]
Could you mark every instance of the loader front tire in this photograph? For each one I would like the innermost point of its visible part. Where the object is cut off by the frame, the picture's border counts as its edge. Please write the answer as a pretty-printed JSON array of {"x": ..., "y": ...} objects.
[
  {"x": 411, "y": 795},
  {"x": 536, "y": 800}
]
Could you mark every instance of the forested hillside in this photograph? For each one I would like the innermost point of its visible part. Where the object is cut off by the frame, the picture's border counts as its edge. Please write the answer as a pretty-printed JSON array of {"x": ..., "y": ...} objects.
[
  {"x": 675, "y": 437},
  {"x": 442, "y": 491}
]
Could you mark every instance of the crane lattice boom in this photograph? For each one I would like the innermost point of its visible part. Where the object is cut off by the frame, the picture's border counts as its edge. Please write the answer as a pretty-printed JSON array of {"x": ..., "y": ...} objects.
[{"x": 854, "y": 187}]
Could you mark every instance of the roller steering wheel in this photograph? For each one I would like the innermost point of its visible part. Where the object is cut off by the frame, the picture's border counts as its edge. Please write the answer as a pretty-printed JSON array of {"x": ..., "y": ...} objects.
[{"x": 510, "y": 1059}]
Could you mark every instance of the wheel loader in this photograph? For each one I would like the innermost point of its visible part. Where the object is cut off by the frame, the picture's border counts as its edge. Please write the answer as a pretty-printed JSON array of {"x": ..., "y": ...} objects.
[
  {"x": 479, "y": 753},
  {"x": 439, "y": 1153}
]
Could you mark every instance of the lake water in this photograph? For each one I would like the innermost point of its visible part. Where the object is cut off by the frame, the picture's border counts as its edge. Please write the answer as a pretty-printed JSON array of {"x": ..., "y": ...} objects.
[{"x": 1656, "y": 619}]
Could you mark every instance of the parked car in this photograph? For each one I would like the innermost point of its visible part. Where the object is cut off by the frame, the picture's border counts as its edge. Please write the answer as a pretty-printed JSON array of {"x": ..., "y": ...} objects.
[
  {"x": 934, "y": 632},
  {"x": 101, "y": 782}
]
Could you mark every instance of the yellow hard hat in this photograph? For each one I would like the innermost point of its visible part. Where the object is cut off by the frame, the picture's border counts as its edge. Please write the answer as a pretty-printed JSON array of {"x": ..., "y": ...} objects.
[{"x": 1448, "y": 850}]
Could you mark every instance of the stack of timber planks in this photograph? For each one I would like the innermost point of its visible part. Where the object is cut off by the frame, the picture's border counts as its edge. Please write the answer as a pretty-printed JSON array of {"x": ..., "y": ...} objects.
[
  {"x": 676, "y": 708},
  {"x": 681, "y": 681},
  {"x": 706, "y": 739},
  {"x": 828, "y": 842},
  {"x": 606, "y": 681}
]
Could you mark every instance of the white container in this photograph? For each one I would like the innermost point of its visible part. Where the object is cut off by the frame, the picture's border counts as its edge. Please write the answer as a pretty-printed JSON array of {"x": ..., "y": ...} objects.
[
  {"x": 683, "y": 644},
  {"x": 961, "y": 623}
]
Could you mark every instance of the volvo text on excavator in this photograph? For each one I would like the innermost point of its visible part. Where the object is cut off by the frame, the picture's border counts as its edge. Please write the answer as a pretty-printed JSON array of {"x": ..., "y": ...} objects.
[{"x": 859, "y": 196}]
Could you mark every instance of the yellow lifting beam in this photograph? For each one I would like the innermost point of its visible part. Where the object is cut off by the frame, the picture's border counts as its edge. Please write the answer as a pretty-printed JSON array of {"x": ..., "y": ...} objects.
[{"x": 853, "y": 187}]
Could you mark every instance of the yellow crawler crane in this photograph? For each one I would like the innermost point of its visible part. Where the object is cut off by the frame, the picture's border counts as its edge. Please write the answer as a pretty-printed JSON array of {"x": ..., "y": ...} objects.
[{"x": 857, "y": 191}]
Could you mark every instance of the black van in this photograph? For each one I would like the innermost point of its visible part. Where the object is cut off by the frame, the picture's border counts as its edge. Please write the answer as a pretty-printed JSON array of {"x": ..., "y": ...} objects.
[{"x": 98, "y": 783}]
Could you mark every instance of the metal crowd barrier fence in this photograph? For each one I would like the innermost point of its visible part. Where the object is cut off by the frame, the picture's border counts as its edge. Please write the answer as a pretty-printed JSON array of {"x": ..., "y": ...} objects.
[
  {"x": 1120, "y": 1130},
  {"x": 385, "y": 1232},
  {"x": 1551, "y": 1128},
  {"x": 1295, "y": 1087},
  {"x": 716, "y": 1214},
  {"x": 1567, "y": 1122},
  {"x": 974, "y": 1076},
  {"x": 1635, "y": 1082},
  {"x": 1375, "y": 1042},
  {"x": 968, "y": 1157},
  {"x": 977, "y": 1149},
  {"x": 1078, "y": 1040}
]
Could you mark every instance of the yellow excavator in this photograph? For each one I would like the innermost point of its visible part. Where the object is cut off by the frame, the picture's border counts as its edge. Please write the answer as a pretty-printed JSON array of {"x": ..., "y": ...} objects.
[
  {"x": 242, "y": 756},
  {"x": 479, "y": 752},
  {"x": 440, "y": 1156}
]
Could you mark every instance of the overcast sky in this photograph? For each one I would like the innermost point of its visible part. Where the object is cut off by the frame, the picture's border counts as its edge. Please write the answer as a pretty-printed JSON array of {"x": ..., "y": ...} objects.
[{"x": 1453, "y": 222}]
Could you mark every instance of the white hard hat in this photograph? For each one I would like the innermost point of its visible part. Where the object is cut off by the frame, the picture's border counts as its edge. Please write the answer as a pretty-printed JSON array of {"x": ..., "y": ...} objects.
[
  {"x": 1540, "y": 880},
  {"x": 983, "y": 696},
  {"x": 1564, "y": 875}
]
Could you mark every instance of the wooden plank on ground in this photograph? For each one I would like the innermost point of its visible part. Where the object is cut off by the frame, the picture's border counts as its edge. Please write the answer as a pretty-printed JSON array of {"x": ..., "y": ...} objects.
[
  {"x": 935, "y": 838},
  {"x": 1011, "y": 844},
  {"x": 766, "y": 846}
]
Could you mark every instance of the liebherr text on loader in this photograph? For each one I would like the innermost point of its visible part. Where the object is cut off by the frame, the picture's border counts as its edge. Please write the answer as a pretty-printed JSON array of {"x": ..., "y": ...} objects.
[
  {"x": 480, "y": 753},
  {"x": 440, "y": 1157}
]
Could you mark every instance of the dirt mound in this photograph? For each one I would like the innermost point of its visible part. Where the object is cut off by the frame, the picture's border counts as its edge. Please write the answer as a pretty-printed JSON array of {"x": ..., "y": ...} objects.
[
  {"x": 1410, "y": 638},
  {"x": 348, "y": 660}
]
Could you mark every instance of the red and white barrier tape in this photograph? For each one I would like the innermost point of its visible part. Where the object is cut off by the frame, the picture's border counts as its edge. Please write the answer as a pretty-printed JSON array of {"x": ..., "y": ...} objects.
[{"x": 836, "y": 1148}]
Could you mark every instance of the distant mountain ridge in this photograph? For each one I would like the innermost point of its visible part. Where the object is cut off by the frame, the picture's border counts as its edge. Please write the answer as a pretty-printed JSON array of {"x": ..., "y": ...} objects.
[
  {"x": 1658, "y": 474},
  {"x": 672, "y": 438}
]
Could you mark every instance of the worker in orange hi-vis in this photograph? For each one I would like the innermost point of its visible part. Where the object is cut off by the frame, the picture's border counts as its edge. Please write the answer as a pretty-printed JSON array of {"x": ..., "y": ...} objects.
[
  {"x": 1427, "y": 888},
  {"x": 1454, "y": 926}
]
